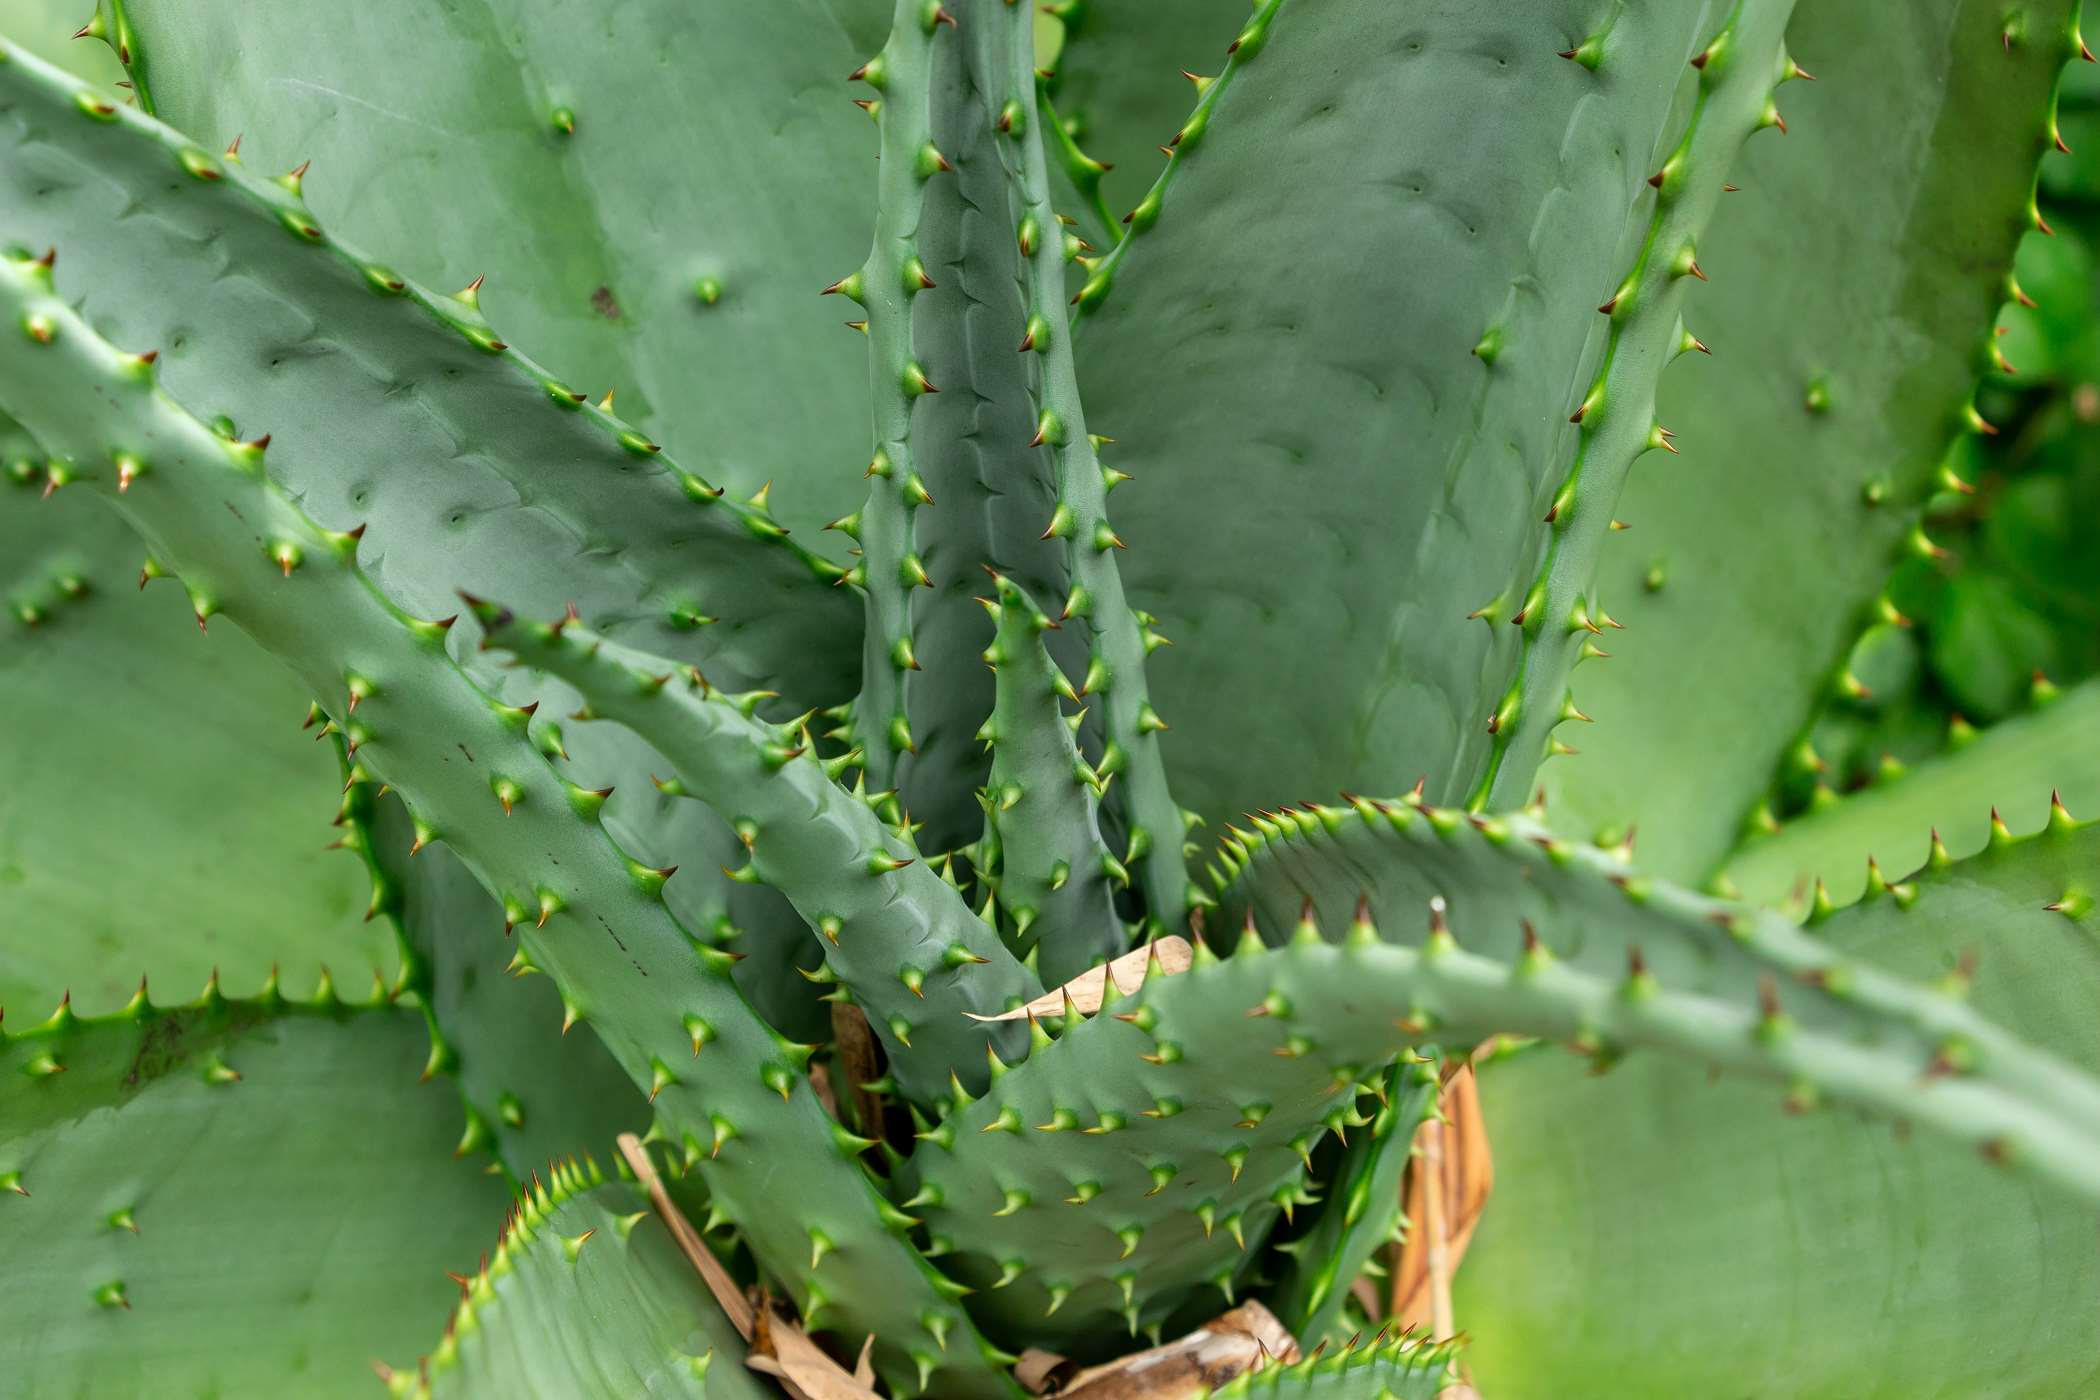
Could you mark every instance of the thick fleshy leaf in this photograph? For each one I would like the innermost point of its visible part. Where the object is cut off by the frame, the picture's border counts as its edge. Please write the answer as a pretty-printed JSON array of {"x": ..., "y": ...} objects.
[
  {"x": 1849, "y": 314},
  {"x": 1328, "y": 477},
  {"x": 469, "y": 764},
  {"x": 1391, "y": 1369},
  {"x": 403, "y": 411},
  {"x": 230, "y": 1198},
  {"x": 1120, "y": 88},
  {"x": 1551, "y": 938},
  {"x": 1654, "y": 1214},
  {"x": 127, "y": 727},
  {"x": 1361, "y": 1213},
  {"x": 585, "y": 1294},
  {"x": 2009, "y": 770},
  {"x": 1180, "y": 1142},
  {"x": 534, "y": 1092},
  {"x": 495, "y": 512},
  {"x": 954, "y": 485},
  {"x": 515, "y": 140}
]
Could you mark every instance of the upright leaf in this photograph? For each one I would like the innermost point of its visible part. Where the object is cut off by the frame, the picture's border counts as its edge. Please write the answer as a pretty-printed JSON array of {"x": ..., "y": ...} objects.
[
  {"x": 1054, "y": 874},
  {"x": 1328, "y": 476},
  {"x": 1849, "y": 314},
  {"x": 991, "y": 492}
]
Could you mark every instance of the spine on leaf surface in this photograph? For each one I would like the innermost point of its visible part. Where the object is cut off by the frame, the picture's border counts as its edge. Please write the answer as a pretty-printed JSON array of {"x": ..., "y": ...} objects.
[
  {"x": 1739, "y": 73},
  {"x": 1122, "y": 635},
  {"x": 900, "y": 942},
  {"x": 1532, "y": 934},
  {"x": 894, "y": 273},
  {"x": 1055, "y": 874},
  {"x": 473, "y": 777}
]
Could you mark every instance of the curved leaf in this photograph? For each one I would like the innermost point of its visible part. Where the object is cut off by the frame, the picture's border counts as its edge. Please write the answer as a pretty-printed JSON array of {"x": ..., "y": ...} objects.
[
  {"x": 468, "y": 764},
  {"x": 1312, "y": 521},
  {"x": 1535, "y": 935},
  {"x": 900, "y": 940},
  {"x": 1400, "y": 1368},
  {"x": 1106, "y": 1161},
  {"x": 405, "y": 411},
  {"x": 1658, "y": 1215},
  {"x": 585, "y": 1294},
  {"x": 533, "y": 1094},
  {"x": 125, "y": 723},
  {"x": 1849, "y": 314},
  {"x": 2012, "y": 768},
  {"x": 226, "y": 1198}
]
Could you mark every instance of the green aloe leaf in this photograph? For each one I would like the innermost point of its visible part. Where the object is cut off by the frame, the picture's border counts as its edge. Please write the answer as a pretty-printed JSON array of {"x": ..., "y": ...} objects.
[
  {"x": 1119, "y": 84},
  {"x": 2009, "y": 771},
  {"x": 230, "y": 1197},
  {"x": 515, "y": 141},
  {"x": 991, "y": 494},
  {"x": 1362, "y": 1211},
  {"x": 533, "y": 1093},
  {"x": 1054, "y": 875},
  {"x": 243, "y": 546},
  {"x": 1391, "y": 1369},
  {"x": 900, "y": 941},
  {"x": 122, "y": 713},
  {"x": 492, "y": 524},
  {"x": 1849, "y": 314},
  {"x": 1535, "y": 935},
  {"x": 585, "y": 1294},
  {"x": 489, "y": 472},
  {"x": 1313, "y": 523},
  {"x": 1158, "y": 1143},
  {"x": 1656, "y": 1214}
]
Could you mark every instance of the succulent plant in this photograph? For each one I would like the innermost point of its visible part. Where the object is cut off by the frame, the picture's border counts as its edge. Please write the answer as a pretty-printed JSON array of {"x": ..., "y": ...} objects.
[{"x": 803, "y": 737}]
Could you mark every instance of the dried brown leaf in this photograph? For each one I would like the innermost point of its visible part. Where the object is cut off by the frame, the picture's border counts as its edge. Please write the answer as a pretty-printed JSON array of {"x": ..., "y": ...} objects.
[
  {"x": 858, "y": 1066},
  {"x": 864, "y": 1368},
  {"x": 1174, "y": 955},
  {"x": 782, "y": 1350},
  {"x": 1231, "y": 1345},
  {"x": 1041, "y": 1372},
  {"x": 1447, "y": 1188},
  {"x": 735, "y": 1306}
]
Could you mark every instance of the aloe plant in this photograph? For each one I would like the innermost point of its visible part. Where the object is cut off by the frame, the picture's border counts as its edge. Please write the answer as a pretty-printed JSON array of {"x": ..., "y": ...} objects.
[{"x": 744, "y": 731}]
